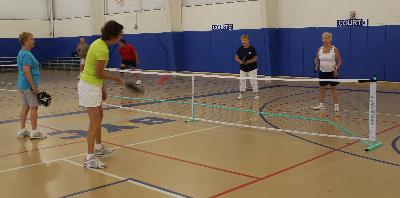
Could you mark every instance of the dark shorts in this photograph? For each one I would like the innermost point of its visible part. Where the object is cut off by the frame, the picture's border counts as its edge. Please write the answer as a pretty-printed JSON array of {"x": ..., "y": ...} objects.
[
  {"x": 327, "y": 75},
  {"x": 128, "y": 64}
]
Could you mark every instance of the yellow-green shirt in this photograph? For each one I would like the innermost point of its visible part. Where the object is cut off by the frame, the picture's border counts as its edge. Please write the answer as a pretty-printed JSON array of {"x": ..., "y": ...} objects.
[{"x": 98, "y": 51}]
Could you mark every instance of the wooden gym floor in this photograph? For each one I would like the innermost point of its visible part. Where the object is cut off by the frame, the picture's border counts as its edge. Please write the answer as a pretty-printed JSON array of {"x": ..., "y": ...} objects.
[{"x": 162, "y": 156}]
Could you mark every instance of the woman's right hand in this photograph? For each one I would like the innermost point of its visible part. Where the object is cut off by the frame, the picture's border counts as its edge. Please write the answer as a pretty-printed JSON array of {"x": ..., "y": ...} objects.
[
  {"x": 316, "y": 68},
  {"x": 35, "y": 91}
]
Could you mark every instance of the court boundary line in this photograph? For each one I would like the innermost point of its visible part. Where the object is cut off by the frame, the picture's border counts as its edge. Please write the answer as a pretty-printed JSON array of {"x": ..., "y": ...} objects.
[
  {"x": 66, "y": 144},
  {"x": 95, "y": 188},
  {"x": 144, "y": 142},
  {"x": 322, "y": 145},
  {"x": 292, "y": 166},
  {"x": 181, "y": 160},
  {"x": 132, "y": 181}
]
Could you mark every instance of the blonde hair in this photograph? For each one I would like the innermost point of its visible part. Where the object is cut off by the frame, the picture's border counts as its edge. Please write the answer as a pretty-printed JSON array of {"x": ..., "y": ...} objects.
[
  {"x": 24, "y": 36},
  {"x": 327, "y": 35},
  {"x": 245, "y": 36}
]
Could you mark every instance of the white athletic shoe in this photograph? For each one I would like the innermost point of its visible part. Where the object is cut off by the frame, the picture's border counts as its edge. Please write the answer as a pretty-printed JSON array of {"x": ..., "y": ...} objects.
[
  {"x": 320, "y": 106},
  {"x": 94, "y": 163},
  {"x": 103, "y": 151},
  {"x": 256, "y": 97},
  {"x": 138, "y": 82},
  {"x": 240, "y": 96},
  {"x": 337, "y": 109},
  {"x": 23, "y": 133},
  {"x": 37, "y": 135}
]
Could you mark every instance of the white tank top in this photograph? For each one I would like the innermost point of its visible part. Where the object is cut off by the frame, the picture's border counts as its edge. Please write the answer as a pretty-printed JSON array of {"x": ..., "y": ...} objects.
[{"x": 327, "y": 61}]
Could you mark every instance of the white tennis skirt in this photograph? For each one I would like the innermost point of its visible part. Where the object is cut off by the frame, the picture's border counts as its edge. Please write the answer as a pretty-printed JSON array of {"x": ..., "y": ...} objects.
[{"x": 89, "y": 95}]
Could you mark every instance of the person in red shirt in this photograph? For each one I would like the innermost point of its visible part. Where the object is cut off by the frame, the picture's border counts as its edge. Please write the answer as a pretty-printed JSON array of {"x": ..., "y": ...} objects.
[{"x": 129, "y": 58}]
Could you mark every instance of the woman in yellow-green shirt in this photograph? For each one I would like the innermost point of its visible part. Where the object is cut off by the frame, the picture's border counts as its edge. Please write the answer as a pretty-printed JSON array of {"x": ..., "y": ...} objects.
[{"x": 92, "y": 92}]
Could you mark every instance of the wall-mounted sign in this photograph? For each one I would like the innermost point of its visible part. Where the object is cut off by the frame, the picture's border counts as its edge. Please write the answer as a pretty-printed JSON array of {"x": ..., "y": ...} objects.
[
  {"x": 222, "y": 27},
  {"x": 352, "y": 22}
]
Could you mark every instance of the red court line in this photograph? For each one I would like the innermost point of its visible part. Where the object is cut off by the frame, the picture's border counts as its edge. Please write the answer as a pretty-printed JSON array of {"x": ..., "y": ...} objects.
[
  {"x": 293, "y": 166},
  {"x": 173, "y": 158},
  {"x": 185, "y": 161}
]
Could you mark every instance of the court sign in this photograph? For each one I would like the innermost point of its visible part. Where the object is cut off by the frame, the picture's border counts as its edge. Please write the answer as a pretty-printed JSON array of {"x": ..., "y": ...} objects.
[
  {"x": 352, "y": 22},
  {"x": 222, "y": 27}
]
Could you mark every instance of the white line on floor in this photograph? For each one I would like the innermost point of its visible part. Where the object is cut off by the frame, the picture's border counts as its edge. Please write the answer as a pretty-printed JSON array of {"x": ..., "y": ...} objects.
[
  {"x": 121, "y": 178},
  {"x": 138, "y": 143}
]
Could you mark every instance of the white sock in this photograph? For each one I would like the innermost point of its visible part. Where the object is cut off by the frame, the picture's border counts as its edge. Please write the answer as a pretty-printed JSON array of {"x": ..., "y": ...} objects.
[
  {"x": 89, "y": 156},
  {"x": 22, "y": 130},
  {"x": 98, "y": 147},
  {"x": 34, "y": 131}
]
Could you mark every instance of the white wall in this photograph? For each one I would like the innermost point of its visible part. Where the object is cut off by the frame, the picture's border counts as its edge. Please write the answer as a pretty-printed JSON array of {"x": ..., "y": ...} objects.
[
  {"x": 12, "y": 28},
  {"x": 74, "y": 27},
  {"x": 154, "y": 21},
  {"x": 24, "y": 9},
  {"x": 317, "y": 13},
  {"x": 243, "y": 15}
]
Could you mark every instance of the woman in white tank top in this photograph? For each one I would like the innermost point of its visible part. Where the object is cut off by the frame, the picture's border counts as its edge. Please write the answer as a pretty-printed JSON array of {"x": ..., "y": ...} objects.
[{"x": 328, "y": 62}]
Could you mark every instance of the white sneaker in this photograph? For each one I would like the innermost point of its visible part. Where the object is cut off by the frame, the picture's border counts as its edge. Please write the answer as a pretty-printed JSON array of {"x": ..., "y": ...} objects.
[
  {"x": 240, "y": 96},
  {"x": 104, "y": 151},
  {"x": 37, "y": 135},
  {"x": 337, "y": 109},
  {"x": 23, "y": 133},
  {"x": 138, "y": 82},
  {"x": 320, "y": 106},
  {"x": 94, "y": 163},
  {"x": 256, "y": 97}
]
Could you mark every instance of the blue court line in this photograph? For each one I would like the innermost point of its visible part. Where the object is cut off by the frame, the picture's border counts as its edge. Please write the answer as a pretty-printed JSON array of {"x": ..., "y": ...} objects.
[
  {"x": 159, "y": 188},
  {"x": 316, "y": 143},
  {"x": 95, "y": 188},
  {"x": 394, "y": 145},
  {"x": 122, "y": 181}
]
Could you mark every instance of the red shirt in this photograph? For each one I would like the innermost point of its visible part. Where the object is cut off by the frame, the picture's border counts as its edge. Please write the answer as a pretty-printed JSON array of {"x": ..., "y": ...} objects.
[{"x": 127, "y": 52}]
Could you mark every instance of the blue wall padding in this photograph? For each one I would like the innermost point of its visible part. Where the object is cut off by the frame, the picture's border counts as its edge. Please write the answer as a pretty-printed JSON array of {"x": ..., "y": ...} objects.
[
  {"x": 392, "y": 59},
  {"x": 282, "y": 67},
  {"x": 358, "y": 64},
  {"x": 376, "y": 52},
  {"x": 178, "y": 51},
  {"x": 9, "y": 47},
  {"x": 296, "y": 51},
  {"x": 311, "y": 43},
  {"x": 221, "y": 53},
  {"x": 196, "y": 51},
  {"x": 366, "y": 51},
  {"x": 272, "y": 35}
]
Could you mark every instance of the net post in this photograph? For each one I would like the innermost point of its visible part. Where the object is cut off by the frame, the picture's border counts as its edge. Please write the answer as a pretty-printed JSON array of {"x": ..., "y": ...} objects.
[
  {"x": 373, "y": 144},
  {"x": 192, "y": 119}
]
